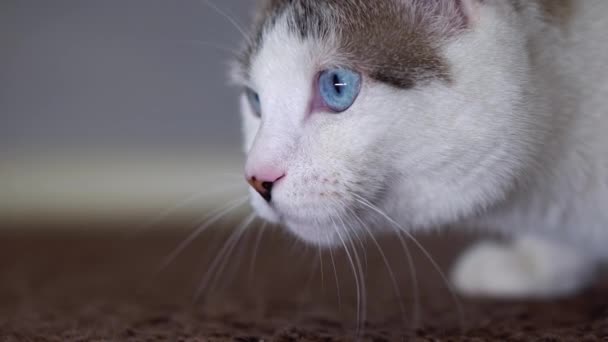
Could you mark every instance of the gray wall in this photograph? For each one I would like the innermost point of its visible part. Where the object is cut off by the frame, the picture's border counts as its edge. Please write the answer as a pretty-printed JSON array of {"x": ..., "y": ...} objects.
[{"x": 116, "y": 73}]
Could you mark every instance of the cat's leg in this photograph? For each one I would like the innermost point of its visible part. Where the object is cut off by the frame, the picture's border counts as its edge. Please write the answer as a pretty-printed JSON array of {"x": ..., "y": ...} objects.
[{"x": 525, "y": 268}]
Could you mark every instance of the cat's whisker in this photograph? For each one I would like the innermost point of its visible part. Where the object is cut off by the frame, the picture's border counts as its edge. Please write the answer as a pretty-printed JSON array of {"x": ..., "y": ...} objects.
[
  {"x": 256, "y": 246},
  {"x": 411, "y": 265},
  {"x": 220, "y": 259},
  {"x": 228, "y": 17},
  {"x": 166, "y": 213},
  {"x": 320, "y": 257},
  {"x": 357, "y": 269},
  {"x": 228, "y": 270},
  {"x": 313, "y": 271},
  {"x": 361, "y": 325},
  {"x": 362, "y": 297},
  {"x": 361, "y": 244},
  {"x": 414, "y": 282},
  {"x": 353, "y": 270},
  {"x": 214, "y": 217},
  {"x": 333, "y": 263},
  {"x": 424, "y": 251},
  {"x": 301, "y": 301},
  {"x": 391, "y": 273}
]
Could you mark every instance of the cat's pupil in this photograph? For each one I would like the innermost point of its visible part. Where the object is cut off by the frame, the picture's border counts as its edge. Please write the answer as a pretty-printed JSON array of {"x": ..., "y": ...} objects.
[{"x": 337, "y": 84}]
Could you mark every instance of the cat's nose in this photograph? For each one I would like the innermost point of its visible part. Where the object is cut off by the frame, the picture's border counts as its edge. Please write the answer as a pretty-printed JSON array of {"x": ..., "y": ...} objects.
[{"x": 263, "y": 187}]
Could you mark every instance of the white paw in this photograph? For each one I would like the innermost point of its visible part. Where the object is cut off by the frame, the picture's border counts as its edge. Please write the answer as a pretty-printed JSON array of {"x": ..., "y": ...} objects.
[{"x": 527, "y": 268}]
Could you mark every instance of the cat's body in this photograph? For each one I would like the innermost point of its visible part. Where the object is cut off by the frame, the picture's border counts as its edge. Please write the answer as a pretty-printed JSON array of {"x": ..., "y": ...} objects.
[
  {"x": 491, "y": 114},
  {"x": 570, "y": 185}
]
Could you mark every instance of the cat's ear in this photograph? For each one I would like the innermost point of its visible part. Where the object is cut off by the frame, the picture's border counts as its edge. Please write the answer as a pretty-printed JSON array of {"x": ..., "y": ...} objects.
[{"x": 469, "y": 9}]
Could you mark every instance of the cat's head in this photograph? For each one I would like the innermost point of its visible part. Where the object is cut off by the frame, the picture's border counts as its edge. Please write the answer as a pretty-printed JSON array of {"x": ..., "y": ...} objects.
[{"x": 358, "y": 111}]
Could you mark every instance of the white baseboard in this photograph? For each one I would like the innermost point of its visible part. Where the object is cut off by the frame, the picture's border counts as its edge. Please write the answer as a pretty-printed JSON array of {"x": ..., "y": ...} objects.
[{"x": 126, "y": 184}]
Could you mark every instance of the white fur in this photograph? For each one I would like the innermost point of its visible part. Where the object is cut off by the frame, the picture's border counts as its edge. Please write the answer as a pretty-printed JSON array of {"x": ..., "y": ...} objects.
[
  {"x": 518, "y": 144},
  {"x": 527, "y": 267}
]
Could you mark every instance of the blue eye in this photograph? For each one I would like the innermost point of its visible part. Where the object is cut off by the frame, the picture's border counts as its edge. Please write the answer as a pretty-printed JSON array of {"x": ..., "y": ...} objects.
[
  {"x": 254, "y": 102},
  {"x": 339, "y": 88}
]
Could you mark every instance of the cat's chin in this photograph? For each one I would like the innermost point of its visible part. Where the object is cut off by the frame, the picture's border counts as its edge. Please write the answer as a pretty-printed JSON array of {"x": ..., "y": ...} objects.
[
  {"x": 308, "y": 231},
  {"x": 317, "y": 230},
  {"x": 315, "y": 234}
]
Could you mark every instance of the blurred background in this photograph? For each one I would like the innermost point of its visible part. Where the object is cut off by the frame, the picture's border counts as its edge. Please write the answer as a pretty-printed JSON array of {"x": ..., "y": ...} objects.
[{"x": 117, "y": 108}]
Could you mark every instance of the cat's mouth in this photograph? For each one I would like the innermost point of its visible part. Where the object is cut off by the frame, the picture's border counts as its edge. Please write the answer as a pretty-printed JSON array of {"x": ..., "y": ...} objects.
[{"x": 326, "y": 216}]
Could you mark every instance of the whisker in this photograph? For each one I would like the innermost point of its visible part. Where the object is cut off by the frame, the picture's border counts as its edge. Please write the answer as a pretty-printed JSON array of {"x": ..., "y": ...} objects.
[
  {"x": 256, "y": 246},
  {"x": 412, "y": 267},
  {"x": 320, "y": 251},
  {"x": 360, "y": 331},
  {"x": 338, "y": 291},
  {"x": 220, "y": 258},
  {"x": 214, "y": 217},
  {"x": 414, "y": 282},
  {"x": 164, "y": 214},
  {"x": 363, "y": 246},
  {"x": 311, "y": 275},
  {"x": 228, "y": 17},
  {"x": 357, "y": 270},
  {"x": 391, "y": 273},
  {"x": 222, "y": 273},
  {"x": 423, "y": 250}
]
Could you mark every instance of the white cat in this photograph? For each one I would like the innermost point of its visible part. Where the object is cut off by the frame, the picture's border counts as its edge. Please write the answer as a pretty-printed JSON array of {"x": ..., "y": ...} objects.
[{"x": 414, "y": 114}]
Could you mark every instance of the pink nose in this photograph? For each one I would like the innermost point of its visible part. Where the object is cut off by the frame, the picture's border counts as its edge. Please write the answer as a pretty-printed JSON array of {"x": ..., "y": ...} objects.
[{"x": 264, "y": 185}]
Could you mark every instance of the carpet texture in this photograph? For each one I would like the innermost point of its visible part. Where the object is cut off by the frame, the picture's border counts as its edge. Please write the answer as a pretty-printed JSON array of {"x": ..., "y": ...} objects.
[{"x": 83, "y": 285}]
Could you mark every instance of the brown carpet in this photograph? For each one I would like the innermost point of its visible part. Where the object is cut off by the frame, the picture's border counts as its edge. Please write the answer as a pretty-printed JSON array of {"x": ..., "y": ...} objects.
[{"x": 90, "y": 286}]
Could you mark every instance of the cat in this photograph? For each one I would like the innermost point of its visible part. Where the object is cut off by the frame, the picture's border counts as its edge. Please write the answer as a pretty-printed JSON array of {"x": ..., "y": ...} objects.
[{"x": 360, "y": 116}]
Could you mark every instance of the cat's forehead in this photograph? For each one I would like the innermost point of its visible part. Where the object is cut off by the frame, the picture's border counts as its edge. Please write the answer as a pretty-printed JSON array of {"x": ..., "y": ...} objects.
[{"x": 392, "y": 41}]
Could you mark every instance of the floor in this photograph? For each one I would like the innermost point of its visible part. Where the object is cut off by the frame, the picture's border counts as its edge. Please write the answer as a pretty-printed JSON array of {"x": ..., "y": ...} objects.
[{"x": 77, "y": 282}]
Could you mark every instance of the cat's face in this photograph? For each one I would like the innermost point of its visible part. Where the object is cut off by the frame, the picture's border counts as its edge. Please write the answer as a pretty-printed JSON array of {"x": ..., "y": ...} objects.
[{"x": 357, "y": 113}]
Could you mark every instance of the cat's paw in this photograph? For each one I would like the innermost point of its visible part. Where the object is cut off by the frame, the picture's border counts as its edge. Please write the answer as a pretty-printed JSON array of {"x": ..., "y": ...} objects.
[{"x": 526, "y": 268}]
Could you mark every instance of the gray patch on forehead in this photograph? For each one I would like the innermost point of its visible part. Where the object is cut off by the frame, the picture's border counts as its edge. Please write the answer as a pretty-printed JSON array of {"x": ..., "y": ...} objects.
[
  {"x": 555, "y": 12},
  {"x": 393, "y": 42}
]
